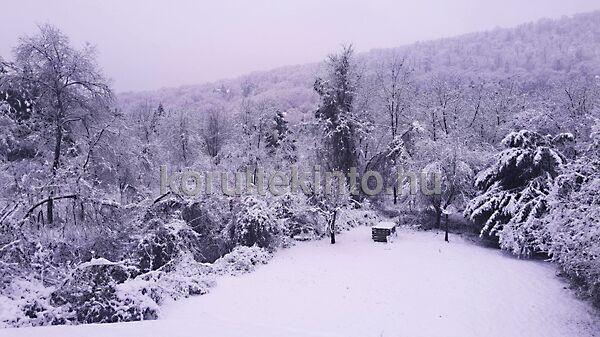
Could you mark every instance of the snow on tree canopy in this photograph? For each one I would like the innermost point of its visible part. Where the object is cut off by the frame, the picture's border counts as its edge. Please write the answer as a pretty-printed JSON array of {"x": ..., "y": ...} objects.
[{"x": 515, "y": 190}]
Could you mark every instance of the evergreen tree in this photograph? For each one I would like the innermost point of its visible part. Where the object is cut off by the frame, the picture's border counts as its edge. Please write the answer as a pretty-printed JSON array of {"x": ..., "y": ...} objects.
[
  {"x": 339, "y": 120},
  {"x": 515, "y": 190},
  {"x": 279, "y": 131},
  {"x": 336, "y": 111},
  {"x": 279, "y": 139}
]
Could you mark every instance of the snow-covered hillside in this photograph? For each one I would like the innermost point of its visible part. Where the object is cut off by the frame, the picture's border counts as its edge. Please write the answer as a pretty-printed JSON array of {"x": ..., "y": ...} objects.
[{"x": 417, "y": 286}]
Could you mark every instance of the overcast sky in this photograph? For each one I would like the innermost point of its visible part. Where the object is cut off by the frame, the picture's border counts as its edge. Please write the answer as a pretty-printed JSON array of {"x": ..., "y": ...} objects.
[{"x": 148, "y": 44}]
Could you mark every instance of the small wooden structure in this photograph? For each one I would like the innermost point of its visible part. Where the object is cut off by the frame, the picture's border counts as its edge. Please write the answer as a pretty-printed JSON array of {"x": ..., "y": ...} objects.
[{"x": 382, "y": 231}]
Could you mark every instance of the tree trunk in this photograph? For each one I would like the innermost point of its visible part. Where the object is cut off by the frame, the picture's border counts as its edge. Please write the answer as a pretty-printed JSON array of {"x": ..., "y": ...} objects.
[
  {"x": 50, "y": 208},
  {"x": 438, "y": 217},
  {"x": 433, "y": 125},
  {"x": 332, "y": 227},
  {"x": 446, "y": 234},
  {"x": 444, "y": 121},
  {"x": 395, "y": 195},
  {"x": 57, "y": 146},
  {"x": 55, "y": 163}
]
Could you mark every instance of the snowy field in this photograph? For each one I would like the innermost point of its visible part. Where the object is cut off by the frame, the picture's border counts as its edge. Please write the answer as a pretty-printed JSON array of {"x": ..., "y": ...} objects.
[{"x": 416, "y": 286}]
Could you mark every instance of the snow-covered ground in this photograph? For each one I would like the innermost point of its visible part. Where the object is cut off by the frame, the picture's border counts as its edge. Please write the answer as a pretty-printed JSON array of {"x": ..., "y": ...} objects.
[{"x": 417, "y": 286}]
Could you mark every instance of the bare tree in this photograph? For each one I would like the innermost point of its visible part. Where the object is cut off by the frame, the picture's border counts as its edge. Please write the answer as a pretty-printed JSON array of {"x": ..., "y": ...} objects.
[
  {"x": 66, "y": 86},
  {"x": 503, "y": 102},
  {"x": 579, "y": 100},
  {"x": 455, "y": 174},
  {"x": 446, "y": 94},
  {"x": 184, "y": 138},
  {"x": 476, "y": 100},
  {"x": 214, "y": 133},
  {"x": 395, "y": 80}
]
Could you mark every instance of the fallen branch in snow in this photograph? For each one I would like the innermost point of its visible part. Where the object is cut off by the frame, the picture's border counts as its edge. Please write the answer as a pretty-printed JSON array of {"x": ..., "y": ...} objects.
[
  {"x": 70, "y": 196},
  {"x": 161, "y": 197}
]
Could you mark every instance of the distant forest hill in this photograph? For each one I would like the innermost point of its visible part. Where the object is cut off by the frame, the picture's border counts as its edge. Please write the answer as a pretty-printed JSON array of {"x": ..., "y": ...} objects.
[{"x": 529, "y": 59}]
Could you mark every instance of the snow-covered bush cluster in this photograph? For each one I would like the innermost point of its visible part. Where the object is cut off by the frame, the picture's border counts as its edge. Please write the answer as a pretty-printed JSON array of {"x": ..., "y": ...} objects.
[
  {"x": 573, "y": 221},
  {"x": 173, "y": 249},
  {"x": 100, "y": 291},
  {"x": 164, "y": 259},
  {"x": 535, "y": 200},
  {"x": 254, "y": 224},
  {"x": 241, "y": 259}
]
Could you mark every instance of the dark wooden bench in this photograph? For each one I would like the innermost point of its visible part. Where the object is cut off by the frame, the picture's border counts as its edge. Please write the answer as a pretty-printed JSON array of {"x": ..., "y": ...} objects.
[{"x": 382, "y": 231}]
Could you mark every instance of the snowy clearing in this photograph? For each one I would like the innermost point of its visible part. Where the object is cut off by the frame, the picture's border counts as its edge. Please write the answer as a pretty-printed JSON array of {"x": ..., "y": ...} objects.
[{"x": 415, "y": 286}]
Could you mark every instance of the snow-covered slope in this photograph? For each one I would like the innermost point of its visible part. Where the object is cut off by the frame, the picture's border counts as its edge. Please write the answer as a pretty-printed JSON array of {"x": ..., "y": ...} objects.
[{"x": 417, "y": 286}]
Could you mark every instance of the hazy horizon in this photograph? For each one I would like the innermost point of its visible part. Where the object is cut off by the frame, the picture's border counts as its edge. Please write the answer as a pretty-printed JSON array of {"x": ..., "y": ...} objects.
[{"x": 146, "y": 46}]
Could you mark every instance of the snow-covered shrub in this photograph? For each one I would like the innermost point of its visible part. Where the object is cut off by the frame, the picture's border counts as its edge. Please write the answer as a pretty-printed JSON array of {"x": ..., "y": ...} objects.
[
  {"x": 155, "y": 248},
  {"x": 193, "y": 226},
  {"x": 305, "y": 219},
  {"x": 29, "y": 273},
  {"x": 47, "y": 263},
  {"x": 90, "y": 293},
  {"x": 242, "y": 259},
  {"x": 515, "y": 191},
  {"x": 140, "y": 297},
  {"x": 160, "y": 260},
  {"x": 25, "y": 303},
  {"x": 299, "y": 220},
  {"x": 573, "y": 223},
  {"x": 350, "y": 218},
  {"x": 254, "y": 224},
  {"x": 101, "y": 291},
  {"x": 13, "y": 256},
  {"x": 144, "y": 294},
  {"x": 205, "y": 219},
  {"x": 306, "y": 224},
  {"x": 164, "y": 242}
]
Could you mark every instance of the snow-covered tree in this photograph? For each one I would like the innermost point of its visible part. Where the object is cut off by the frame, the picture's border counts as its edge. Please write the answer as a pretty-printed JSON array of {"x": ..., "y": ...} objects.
[
  {"x": 515, "y": 190},
  {"x": 336, "y": 112},
  {"x": 279, "y": 139},
  {"x": 71, "y": 98},
  {"x": 453, "y": 165},
  {"x": 394, "y": 79},
  {"x": 214, "y": 132},
  {"x": 572, "y": 225}
]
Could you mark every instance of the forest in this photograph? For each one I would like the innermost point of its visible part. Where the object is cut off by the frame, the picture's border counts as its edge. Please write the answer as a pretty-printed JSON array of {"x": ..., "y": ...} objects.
[{"x": 508, "y": 118}]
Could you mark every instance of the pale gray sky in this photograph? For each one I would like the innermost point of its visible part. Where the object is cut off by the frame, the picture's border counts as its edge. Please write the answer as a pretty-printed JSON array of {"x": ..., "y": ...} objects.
[{"x": 148, "y": 44}]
